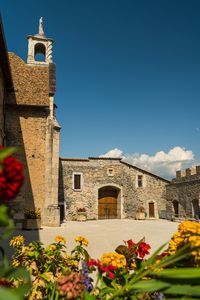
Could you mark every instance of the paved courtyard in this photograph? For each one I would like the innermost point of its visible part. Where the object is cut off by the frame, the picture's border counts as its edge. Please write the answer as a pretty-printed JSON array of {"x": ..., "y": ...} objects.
[{"x": 106, "y": 235}]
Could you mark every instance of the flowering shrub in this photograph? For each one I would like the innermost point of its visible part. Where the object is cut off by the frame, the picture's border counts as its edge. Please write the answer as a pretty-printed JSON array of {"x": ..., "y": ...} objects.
[
  {"x": 11, "y": 175},
  {"x": 188, "y": 234},
  {"x": 32, "y": 214}
]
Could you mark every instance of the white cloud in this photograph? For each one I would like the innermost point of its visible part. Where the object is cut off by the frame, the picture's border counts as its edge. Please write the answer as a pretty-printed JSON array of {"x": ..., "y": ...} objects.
[
  {"x": 115, "y": 153},
  {"x": 162, "y": 163}
]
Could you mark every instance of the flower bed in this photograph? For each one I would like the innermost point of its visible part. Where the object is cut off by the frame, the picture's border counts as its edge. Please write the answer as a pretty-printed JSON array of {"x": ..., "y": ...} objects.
[
  {"x": 122, "y": 274},
  {"x": 54, "y": 273}
]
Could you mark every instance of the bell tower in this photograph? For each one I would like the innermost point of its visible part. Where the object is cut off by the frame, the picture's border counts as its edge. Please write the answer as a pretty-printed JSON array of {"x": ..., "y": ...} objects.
[{"x": 39, "y": 46}]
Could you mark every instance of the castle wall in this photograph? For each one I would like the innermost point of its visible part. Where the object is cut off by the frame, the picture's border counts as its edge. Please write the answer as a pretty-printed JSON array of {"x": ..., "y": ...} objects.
[
  {"x": 95, "y": 175},
  {"x": 185, "y": 189}
]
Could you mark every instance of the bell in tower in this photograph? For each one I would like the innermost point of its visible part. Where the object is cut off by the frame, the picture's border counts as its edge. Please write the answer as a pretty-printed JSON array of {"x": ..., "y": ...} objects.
[{"x": 39, "y": 46}]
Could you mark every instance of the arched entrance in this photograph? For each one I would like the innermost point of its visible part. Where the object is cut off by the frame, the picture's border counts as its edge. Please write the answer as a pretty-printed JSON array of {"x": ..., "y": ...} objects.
[
  {"x": 176, "y": 208},
  {"x": 108, "y": 203},
  {"x": 196, "y": 210},
  {"x": 151, "y": 210}
]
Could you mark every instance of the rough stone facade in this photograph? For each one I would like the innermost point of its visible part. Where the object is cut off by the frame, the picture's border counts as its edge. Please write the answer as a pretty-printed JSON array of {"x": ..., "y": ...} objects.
[
  {"x": 31, "y": 126},
  {"x": 183, "y": 194},
  {"x": 102, "y": 173}
]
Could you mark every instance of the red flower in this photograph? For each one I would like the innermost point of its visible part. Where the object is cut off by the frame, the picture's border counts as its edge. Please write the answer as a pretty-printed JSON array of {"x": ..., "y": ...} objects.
[
  {"x": 109, "y": 269},
  {"x": 93, "y": 262},
  {"x": 143, "y": 249},
  {"x": 5, "y": 282},
  {"x": 130, "y": 243},
  {"x": 11, "y": 178}
]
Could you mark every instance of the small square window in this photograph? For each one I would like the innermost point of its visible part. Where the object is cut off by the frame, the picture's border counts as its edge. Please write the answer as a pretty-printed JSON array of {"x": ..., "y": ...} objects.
[
  {"x": 110, "y": 172},
  {"x": 140, "y": 181}
]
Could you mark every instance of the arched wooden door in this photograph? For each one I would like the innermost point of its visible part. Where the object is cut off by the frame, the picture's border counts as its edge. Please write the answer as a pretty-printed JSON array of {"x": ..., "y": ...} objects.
[
  {"x": 151, "y": 210},
  {"x": 107, "y": 203}
]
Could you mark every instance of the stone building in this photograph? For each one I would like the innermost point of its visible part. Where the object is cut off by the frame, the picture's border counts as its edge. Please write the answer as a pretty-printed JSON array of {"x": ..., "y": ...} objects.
[
  {"x": 31, "y": 125},
  {"x": 183, "y": 194},
  {"x": 109, "y": 188}
]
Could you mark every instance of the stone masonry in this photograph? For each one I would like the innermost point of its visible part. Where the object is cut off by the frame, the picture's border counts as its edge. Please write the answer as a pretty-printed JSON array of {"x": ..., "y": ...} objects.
[
  {"x": 31, "y": 126},
  {"x": 98, "y": 173},
  {"x": 183, "y": 193}
]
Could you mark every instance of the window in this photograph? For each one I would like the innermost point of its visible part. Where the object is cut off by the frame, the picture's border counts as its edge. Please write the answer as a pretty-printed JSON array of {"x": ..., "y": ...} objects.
[
  {"x": 77, "y": 181},
  {"x": 110, "y": 172},
  {"x": 140, "y": 181}
]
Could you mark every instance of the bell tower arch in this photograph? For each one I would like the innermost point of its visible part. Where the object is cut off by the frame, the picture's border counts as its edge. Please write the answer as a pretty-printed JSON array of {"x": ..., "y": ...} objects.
[{"x": 39, "y": 46}]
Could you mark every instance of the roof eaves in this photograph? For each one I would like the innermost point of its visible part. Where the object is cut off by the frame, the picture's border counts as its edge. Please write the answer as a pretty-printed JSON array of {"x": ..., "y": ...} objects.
[{"x": 144, "y": 171}]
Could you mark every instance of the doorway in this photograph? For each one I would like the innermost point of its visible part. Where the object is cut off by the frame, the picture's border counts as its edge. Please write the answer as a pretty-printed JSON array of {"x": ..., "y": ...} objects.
[
  {"x": 151, "y": 210},
  {"x": 107, "y": 203}
]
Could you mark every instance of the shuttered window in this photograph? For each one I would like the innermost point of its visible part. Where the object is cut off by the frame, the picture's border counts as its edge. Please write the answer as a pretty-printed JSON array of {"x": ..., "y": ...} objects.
[
  {"x": 77, "y": 182},
  {"x": 140, "y": 181}
]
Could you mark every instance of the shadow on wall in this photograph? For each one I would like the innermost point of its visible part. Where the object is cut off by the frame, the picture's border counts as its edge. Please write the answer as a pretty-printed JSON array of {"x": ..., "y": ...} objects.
[
  {"x": 14, "y": 138},
  {"x": 61, "y": 195}
]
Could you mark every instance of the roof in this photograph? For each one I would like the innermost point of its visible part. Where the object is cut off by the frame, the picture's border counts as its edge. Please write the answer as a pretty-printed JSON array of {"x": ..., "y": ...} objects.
[
  {"x": 120, "y": 160},
  {"x": 144, "y": 171},
  {"x": 4, "y": 61}
]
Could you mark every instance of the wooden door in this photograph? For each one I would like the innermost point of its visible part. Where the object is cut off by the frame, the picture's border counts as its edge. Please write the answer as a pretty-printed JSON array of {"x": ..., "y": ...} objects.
[
  {"x": 107, "y": 208},
  {"x": 151, "y": 210}
]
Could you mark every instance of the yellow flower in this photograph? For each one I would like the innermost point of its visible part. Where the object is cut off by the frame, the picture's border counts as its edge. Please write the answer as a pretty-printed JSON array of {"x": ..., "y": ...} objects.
[
  {"x": 60, "y": 239},
  {"x": 17, "y": 241},
  {"x": 49, "y": 276},
  {"x": 15, "y": 263},
  {"x": 82, "y": 240},
  {"x": 188, "y": 233},
  {"x": 133, "y": 265},
  {"x": 52, "y": 247},
  {"x": 114, "y": 259}
]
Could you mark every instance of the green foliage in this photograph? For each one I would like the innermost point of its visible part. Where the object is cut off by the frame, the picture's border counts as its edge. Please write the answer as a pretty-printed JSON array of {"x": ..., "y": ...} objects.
[
  {"x": 5, "y": 152},
  {"x": 32, "y": 214},
  {"x": 8, "y": 274}
]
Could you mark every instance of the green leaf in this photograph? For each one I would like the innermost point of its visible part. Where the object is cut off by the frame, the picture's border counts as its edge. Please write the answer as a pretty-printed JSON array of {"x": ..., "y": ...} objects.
[
  {"x": 150, "y": 285},
  {"x": 179, "y": 275},
  {"x": 19, "y": 272},
  {"x": 7, "y": 152},
  {"x": 7, "y": 294},
  {"x": 87, "y": 296},
  {"x": 186, "y": 290}
]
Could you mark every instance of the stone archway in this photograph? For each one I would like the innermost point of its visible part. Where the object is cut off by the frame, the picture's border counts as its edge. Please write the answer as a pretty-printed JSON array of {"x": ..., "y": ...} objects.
[
  {"x": 108, "y": 203},
  {"x": 196, "y": 209},
  {"x": 176, "y": 208}
]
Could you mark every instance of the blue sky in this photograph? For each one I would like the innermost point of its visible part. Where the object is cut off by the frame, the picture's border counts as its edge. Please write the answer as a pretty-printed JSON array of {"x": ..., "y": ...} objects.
[{"x": 128, "y": 75}]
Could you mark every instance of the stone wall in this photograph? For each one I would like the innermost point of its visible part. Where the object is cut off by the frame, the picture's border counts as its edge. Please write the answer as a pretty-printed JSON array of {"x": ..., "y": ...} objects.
[
  {"x": 26, "y": 129},
  {"x": 184, "y": 190},
  {"x": 95, "y": 175},
  {"x": 32, "y": 127}
]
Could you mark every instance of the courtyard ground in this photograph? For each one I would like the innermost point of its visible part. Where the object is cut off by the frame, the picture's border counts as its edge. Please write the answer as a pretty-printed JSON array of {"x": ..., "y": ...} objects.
[{"x": 106, "y": 235}]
